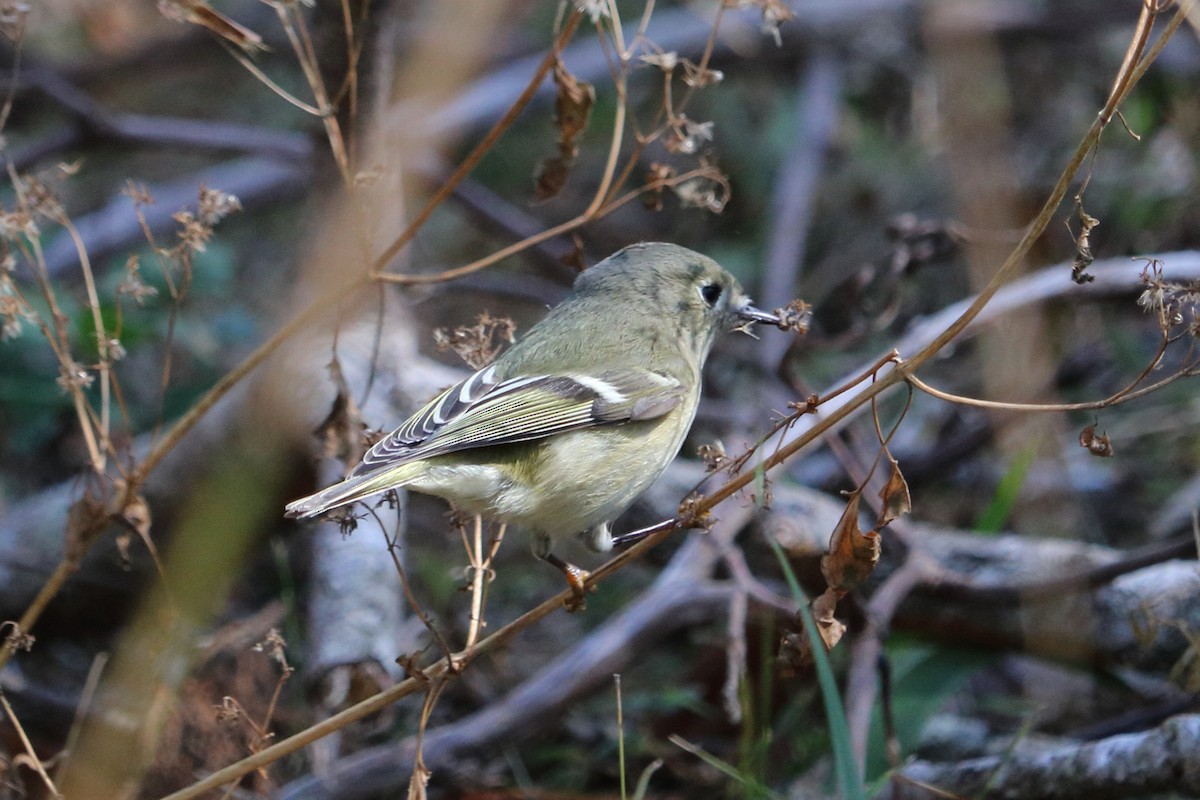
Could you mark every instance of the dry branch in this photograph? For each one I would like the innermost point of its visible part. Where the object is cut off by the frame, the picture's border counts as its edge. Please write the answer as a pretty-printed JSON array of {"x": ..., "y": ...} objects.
[
  {"x": 114, "y": 229},
  {"x": 1160, "y": 761},
  {"x": 96, "y": 119}
]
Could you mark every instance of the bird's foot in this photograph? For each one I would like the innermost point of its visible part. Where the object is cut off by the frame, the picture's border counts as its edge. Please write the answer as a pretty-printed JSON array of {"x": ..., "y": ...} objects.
[{"x": 576, "y": 580}]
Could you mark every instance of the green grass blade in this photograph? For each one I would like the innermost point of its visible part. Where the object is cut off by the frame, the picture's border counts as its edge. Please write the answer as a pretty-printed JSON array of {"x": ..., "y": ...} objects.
[{"x": 839, "y": 730}]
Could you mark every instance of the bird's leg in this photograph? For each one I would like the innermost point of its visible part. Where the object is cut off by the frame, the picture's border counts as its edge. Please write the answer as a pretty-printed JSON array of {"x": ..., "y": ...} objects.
[
  {"x": 575, "y": 576},
  {"x": 633, "y": 537}
]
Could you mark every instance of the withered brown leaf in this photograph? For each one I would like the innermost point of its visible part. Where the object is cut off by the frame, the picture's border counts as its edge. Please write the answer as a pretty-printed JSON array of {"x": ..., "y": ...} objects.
[
  {"x": 1097, "y": 444},
  {"x": 894, "y": 496},
  {"x": 572, "y": 109},
  {"x": 828, "y": 626},
  {"x": 852, "y": 554},
  {"x": 1083, "y": 245},
  {"x": 341, "y": 432},
  {"x": 551, "y": 177}
]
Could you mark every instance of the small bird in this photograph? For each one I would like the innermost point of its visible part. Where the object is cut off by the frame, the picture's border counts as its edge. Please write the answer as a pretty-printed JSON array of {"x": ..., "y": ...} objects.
[{"x": 564, "y": 430}]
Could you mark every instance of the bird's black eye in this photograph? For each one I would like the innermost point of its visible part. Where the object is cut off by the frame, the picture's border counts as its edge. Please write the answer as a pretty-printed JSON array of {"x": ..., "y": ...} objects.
[{"x": 711, "y": 292}]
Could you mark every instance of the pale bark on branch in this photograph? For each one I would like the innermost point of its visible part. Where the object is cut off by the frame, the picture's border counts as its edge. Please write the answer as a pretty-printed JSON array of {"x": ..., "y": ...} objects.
[{"x": 1154, "y": 762}]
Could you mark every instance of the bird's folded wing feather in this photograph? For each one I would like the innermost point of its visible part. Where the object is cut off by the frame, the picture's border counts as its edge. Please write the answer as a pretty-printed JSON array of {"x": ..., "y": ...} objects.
[{"x": 483, "y": 411}]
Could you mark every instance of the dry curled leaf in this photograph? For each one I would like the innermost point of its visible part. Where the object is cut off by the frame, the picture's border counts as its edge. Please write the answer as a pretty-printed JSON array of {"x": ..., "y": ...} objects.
[
  {"x": 852, "y": 554},
  {"x": 551, "y": 177},
  {"x": 575, "y": 258},
  {"x": 827, "y": 625},
  {"x": 341, "y": 432},
  {"x": 13, "y": 17},
  {"x": 894, "y": 496},
  {"x": 136, "y": 515},
  {"x": 795, "y": 647},
  {"x": 1083, "y": 245},
  {"x": 572, "y": 109},
  {"x": 1097, "y": 444}
]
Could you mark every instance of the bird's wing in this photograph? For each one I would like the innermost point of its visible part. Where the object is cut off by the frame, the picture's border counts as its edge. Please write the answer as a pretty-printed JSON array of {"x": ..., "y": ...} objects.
[{"x": 483, "y": 411}]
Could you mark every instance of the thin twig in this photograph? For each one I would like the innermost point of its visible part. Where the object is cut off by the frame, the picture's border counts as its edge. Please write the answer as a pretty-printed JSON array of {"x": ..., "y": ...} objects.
[
  {"x": 476, "y": 155},
  {"x": 1119, "y": 398},
  {"x": 33, "y": 761}
]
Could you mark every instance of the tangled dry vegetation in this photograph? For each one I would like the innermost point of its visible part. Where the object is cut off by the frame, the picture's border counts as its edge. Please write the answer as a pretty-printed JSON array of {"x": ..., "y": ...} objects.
[{"x": 939, "y": 535}]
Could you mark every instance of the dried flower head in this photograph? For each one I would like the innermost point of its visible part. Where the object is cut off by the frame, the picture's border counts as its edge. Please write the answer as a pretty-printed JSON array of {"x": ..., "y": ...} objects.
[
  {"x": 17, "y": 224},
  {"x": 274, "y": 646},
  {"x": 665, "y": 61},
  {"x": 713, "y": 455},
  {"x": 596, "y": 9},
  {"x": 774, "y": 14},
  {"x": 133, "y": 285},
  {"x": 686, "y": 136},
  {"x": 16, "y": 638},
  {"x": 215, "y": 205},
  {"x": 74, "y": 376},
  {"x": 193, "y": 234},
  {"x": 795, "y": 316},
  {"x": 699, "y": 77},
  {"x": 39, "y": 197},
  {"x": 1173, "y": 302},
  {"x": 14, "y": 311},
  {"x": 708, "y": 190},
  {"x": 656, "y": 179},
  {"x": 138, "y": 193},
  {"x": 477, "y": 344}
]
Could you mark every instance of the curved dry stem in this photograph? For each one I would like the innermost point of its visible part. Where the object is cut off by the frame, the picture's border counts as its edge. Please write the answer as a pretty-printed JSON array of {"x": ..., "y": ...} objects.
[
  {"x": 297, "y": 33},
  {"x": 546, "y": 235},
  {"x": 105, "y": 365},
  {"x": 393, "y": 550},
  {"x": 1124, "y": 396},
  {"x": 284, "y": 94}
]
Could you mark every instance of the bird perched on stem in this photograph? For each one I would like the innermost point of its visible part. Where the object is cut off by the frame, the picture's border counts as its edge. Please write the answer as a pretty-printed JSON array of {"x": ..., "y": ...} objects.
[{"x": 568, "y": 426}]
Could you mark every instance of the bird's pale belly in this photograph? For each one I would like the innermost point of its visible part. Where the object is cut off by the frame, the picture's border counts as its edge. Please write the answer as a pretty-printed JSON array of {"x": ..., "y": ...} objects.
[
  {"x": 584, "y": 478},
  {"x": 589, "y": 477}
]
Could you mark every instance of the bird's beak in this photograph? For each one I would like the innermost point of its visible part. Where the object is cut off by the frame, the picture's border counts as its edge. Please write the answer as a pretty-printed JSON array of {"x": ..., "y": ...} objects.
[{"x": 748, "y": 315}]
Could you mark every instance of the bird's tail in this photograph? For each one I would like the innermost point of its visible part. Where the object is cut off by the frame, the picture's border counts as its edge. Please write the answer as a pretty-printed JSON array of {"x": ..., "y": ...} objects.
[{"x": 358, "y": 487}]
